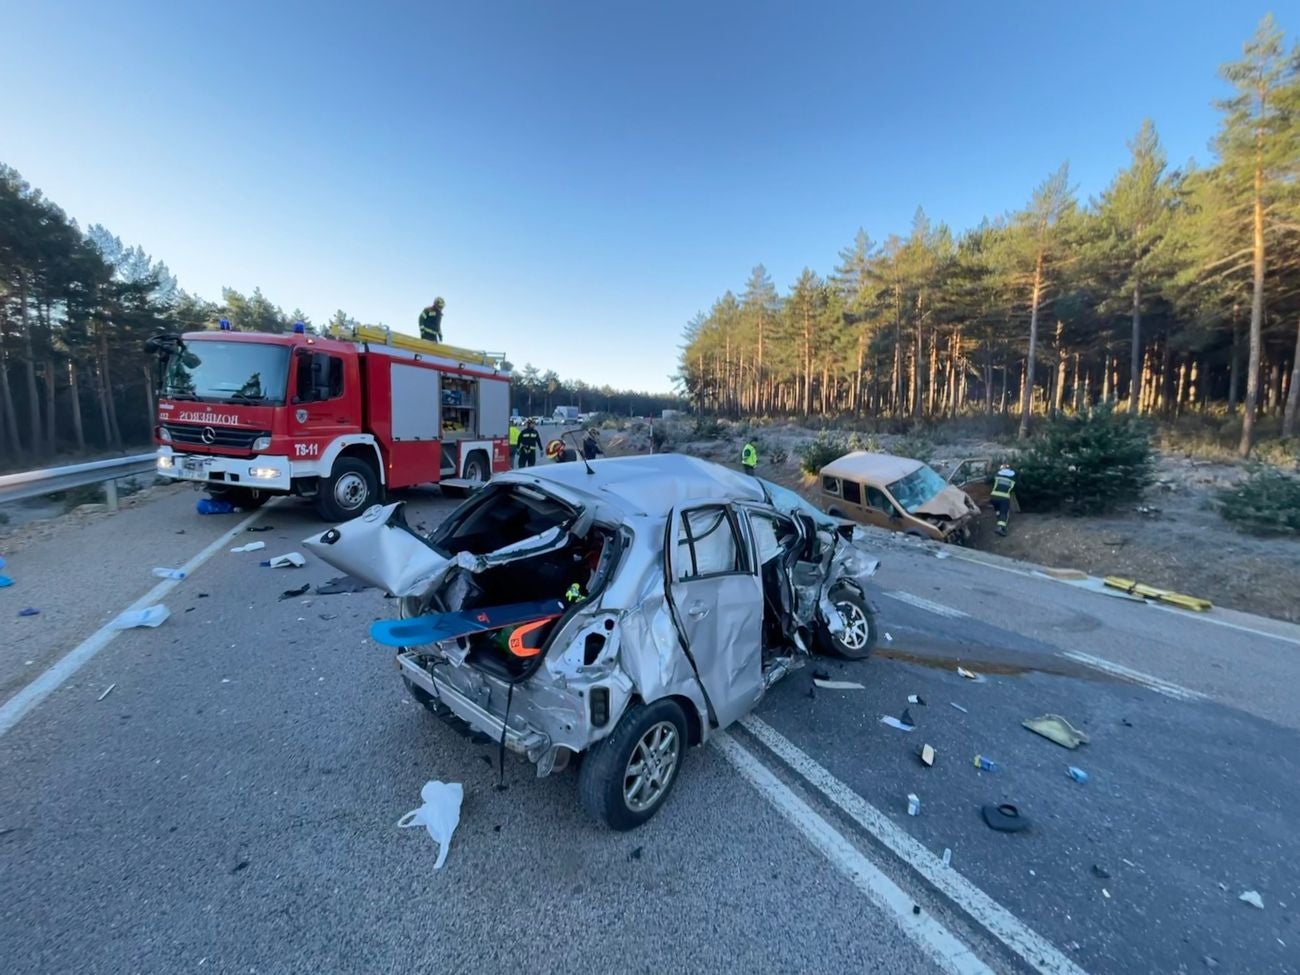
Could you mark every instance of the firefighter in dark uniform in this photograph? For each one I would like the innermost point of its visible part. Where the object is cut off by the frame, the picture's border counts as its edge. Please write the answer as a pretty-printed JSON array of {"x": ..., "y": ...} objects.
[
  {"x": 530, "y": 441},
  {"x": 1004, "y": 485},
  {"x": 431, "y": 321},
  {"x": 591, "y": 445}
]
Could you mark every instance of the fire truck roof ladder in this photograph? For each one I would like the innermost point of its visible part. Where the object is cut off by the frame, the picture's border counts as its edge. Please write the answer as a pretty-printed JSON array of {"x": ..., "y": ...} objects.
[{"x": 383, "y": 335}]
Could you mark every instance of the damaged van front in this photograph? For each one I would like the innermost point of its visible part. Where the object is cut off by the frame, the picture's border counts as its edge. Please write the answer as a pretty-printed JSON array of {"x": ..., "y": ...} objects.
[{"x": 622, "y": 614}]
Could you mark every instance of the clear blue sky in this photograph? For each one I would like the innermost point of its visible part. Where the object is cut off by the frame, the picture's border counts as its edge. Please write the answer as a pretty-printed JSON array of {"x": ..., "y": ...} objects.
[{"x": 577, "y": 178}]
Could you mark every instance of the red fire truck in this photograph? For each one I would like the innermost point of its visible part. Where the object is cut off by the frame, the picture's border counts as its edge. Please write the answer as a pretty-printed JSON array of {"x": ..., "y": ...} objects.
[{"x": 338, "y": 419}]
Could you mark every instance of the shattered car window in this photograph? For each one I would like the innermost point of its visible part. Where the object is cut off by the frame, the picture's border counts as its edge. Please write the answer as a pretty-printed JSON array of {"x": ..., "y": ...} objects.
[
  {"x": 501, "y": 518},
  {"x": 917, "y": 488},
  {"x": 706, "y": 544}
]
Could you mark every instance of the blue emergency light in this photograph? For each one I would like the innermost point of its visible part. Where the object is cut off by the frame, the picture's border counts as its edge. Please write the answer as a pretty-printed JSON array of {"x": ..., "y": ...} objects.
[
  {"x": 225, "y": 324},
  {"x": 299, "y": 328}
]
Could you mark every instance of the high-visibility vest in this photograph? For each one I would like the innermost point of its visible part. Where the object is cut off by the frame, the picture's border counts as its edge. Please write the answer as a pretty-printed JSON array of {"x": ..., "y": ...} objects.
[
  {"x": 1002, "y": 486},
  {"x": 749, "y": 456},
  {"x": 514, "y": 435}
]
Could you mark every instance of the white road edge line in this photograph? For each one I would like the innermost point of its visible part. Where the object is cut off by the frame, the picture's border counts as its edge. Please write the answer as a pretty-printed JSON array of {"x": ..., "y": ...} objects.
[
  {"x": 943, "y": 947},
  {"x": 1136, "y": 676},
  {"x": 921, "y": 603},
  {"x": 18, "y": 706},
  {"x": 1039, "y": 953}
]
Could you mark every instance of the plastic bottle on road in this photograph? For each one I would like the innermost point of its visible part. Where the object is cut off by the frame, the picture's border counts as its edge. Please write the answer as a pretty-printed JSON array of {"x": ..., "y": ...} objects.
[
  {"x": 987, "y": 764},
  {"x": 212, "y": 506},
  {"x": 162, "y": 573},
  {"x": 1078, "y": 774}
]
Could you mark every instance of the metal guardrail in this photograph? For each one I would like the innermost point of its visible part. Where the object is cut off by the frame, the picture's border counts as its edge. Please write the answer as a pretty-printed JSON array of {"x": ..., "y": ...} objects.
[{"x": 33, "y": 484}]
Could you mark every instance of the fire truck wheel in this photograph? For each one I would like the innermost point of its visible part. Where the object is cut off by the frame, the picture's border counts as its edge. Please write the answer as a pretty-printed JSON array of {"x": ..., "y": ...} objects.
[
  {"x": 350, "y": 489},
  {"x": 476, "y": 468}
]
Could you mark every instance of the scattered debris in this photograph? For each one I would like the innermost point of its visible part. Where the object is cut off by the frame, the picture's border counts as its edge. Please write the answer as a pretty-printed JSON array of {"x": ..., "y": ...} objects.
[
  {"x": 1209, "y": 961},
  {"x": 440, "y": 814},
  {"x": 927, "y": 755},
  {"x": 947, "y": 857},
  {"x": 261, "y": 528},
  {"x": 1161, "y": 595},
  {"x": 986, "y": 764},
  {"x": 329, "y": 616},
  {"x": 888, "y": 637},
  {"x": 1252, "y": 898},
  {"x": 893, "y": 722},
  {"x": 290, "y": 560},
  {"x": 241, "y": 865},
  {"x": 906, "y": 717},
  {"x": 821, "y": 675},
  {"x": 916, "y": 699},
  {"x": 107, "y": 691},
  {"x": 838, "y": 685},
  {"x": 164, "y": 573},
  {"x": 1105, "y": 893},
  {"x": 916, "y": 908},
  {"x": 1055, "y": 728},
  {"x": 943, "y": 553},
  {"x": 149, "y": 616},
  {"x": 1100, "y": 872},
  {"x": 341, "y": 586},
  {"x": 5, "y": 582},
  {"x": 636, "y": 854},
  {"x": 1126, "y": 722},
  {"x": 1065, "y": 574},
  {"x": 913, "y": 804},
  {"x": 954, "y": 704},
  {"x": 1005, "y": 818},
  {"x": 1078, "y": 774},
  {"x": 203, "y": 595},
  {"x": 295, "y": 593},
  {"x": 250, "y": 547},
  {"x": 1134, "y": 866},
  {"x": 29, "y": 611},
  {"x": 211, "y": 506},
  {"x": 971, "y": 675}
]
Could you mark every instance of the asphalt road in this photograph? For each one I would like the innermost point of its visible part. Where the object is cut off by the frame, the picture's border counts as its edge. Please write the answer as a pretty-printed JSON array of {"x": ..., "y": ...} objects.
[{"x": 230, "y": 805}]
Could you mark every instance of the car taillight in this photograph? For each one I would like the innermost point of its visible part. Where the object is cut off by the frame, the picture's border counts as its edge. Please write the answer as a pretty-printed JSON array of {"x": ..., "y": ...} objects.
[{"x": 599, "y": 707}]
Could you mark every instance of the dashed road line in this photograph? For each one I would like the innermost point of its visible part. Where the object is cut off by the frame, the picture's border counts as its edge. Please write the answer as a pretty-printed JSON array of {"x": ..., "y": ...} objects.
[
  {"x": 1156, "y": 684},
  {"x": 21, "y": 704},
  {"x": 921, "y": 603},
  {"x": 1035, "y": 950},
  {"x": 943, "y": 947}
]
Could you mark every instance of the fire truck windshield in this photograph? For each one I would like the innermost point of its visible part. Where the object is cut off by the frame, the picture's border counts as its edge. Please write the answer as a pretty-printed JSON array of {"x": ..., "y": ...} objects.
[{"x": 235, "y": 372}]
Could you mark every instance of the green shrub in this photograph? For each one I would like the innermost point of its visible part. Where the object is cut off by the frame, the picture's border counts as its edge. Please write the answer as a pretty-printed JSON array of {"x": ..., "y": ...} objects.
[
  {"x": 661, "y": 440},
  {"x": 1266, "y": 502},
  {"x": 860, "y": 441},
  {"x": 1086, "y": 464},
  {"x": 816, "y": 454},
  {"x": 778, "y": 456},
  {"x": 707, "y": 428}
]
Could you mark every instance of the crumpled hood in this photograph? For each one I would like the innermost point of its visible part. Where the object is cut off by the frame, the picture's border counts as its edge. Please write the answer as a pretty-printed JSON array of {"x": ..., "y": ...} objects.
[{"x": 951, "y": 502}]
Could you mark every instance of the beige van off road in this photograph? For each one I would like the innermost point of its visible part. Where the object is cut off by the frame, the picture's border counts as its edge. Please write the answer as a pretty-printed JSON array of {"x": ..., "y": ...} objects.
[{"x": 905, "y": 495}]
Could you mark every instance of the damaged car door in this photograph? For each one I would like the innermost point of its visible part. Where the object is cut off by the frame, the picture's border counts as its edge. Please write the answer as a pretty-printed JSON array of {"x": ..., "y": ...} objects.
[{"x": 716, "y": 601}]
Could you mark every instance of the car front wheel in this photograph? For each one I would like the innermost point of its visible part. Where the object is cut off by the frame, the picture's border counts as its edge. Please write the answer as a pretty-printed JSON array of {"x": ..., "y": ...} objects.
[
  {"x": 857, "y": 638},
  {"x": 626, "y": 777}
]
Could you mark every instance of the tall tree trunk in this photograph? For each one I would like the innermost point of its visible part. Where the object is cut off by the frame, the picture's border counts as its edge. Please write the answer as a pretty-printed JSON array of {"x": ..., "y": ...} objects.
[
  {"x": 1193, "y": 383},
  {"x": 1293, "y": 391},
  {"x": 152, "y": 413},
  {"x": 1274, "y": 387},
  {"x": 7, "y": 400},
  {"x": 29, "y": 366},
  {"x": 898, "y": 350},
  {"x": 101, "y": 388},
  {"x": 918, "y": 353},
  {"x": 1256, "y": 319},
  {"x": 1002, "y": 403},
  {"x": 1062, "y": 359},
  {"x": 1026, "y": 394},
  {"x": 51, "y": 414},
  {"x": 988, "y": 381},
  {"x": 1135, "y": 363},
  {"x": 1166, "y": 377},
  {"x": 1234, "y": 365},
  {"x": 74, "y": 395},
  {"x": 1105, "y": 379},
  {"x": 1180, "y": 395}
]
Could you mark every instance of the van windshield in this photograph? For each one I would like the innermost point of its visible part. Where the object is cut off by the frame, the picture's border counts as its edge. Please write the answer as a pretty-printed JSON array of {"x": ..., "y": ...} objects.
[
  {"x": 228, "y": 372},
  {"x": 916, "y": 488}
]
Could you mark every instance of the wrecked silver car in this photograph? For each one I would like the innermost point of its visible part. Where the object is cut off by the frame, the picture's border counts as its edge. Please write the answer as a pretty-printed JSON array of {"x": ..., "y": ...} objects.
[{"x": 619, "y": 611}]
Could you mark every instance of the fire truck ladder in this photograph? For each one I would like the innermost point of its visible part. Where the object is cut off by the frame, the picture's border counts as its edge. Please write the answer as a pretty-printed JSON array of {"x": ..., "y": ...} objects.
[{"x": 383, "y": 335}]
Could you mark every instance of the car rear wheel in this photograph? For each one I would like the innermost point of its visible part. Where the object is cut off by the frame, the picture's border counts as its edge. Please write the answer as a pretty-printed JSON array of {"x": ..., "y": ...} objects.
[
  {"x": 857, "y": 638},
  {"x": 625, "y": 778}
]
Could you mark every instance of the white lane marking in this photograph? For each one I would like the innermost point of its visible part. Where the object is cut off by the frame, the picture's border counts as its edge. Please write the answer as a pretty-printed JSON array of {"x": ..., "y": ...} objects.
[
  {"x": 18, "y": 706},
  {"x": 922, "y": 603},
  {"x": 1039, "y": 953},
  {"x": 943, "y": 947},
  {"x": 1087, "y": 585},
  {"x": 1136, "y": 676}
]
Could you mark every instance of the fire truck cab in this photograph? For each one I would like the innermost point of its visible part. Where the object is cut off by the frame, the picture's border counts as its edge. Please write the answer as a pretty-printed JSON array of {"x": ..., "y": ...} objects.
[{"x": 338, "y": 419}]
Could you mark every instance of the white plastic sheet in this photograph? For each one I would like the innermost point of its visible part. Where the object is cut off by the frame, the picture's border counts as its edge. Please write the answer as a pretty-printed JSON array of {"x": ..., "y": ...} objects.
[{"x": 440, "y": 814}]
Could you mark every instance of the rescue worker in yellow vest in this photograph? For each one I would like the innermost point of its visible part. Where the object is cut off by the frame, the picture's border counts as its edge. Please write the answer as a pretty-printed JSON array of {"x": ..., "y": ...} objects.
[
  {"x": 1004, "y": 483},
  {"x": 749, "y": 458},
  {"x": 514, "y": 442}
]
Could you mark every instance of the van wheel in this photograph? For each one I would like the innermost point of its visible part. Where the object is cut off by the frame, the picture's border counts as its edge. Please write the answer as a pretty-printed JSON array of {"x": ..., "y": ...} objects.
[
  {"x": 350, "y": 489},
  {"x": 626, "y": 777},
  {"x": 858, "y": 637}
]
